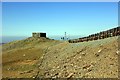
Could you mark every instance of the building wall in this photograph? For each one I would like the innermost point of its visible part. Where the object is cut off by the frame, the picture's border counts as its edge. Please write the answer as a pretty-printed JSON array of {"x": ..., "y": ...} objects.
[{"x": 38, "y": 35}]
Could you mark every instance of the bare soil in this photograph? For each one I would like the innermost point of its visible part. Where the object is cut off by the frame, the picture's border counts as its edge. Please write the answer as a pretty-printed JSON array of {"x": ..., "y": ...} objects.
[{"x": 45, "y": 58}]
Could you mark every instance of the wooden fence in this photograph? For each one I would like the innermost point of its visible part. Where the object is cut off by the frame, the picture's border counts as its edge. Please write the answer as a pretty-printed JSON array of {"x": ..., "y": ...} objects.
[{"x": 100, "y": 35}]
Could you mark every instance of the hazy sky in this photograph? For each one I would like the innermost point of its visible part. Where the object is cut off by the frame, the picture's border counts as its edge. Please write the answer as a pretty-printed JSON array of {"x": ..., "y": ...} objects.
[{"x": 55, "y": 18}]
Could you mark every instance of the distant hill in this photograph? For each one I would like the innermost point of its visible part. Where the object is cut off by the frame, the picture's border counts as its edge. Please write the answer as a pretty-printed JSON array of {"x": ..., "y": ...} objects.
[{"x": 2, "y": 43}]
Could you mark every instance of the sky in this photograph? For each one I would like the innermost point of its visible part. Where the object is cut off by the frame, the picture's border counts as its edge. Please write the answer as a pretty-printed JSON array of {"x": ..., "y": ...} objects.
[{"x": 56, "y": 18}]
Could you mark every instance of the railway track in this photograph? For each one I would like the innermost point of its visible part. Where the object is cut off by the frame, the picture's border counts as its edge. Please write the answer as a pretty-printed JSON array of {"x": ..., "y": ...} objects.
[{"x": 101, "y": 35}]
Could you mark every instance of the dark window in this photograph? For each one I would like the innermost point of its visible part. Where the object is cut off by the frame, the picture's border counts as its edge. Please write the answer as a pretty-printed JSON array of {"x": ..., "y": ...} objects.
[{"x": 43, "y": 34}]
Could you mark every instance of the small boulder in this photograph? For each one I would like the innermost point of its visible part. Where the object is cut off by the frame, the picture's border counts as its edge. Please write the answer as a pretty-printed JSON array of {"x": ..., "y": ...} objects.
[
  {"x": 70, "y": 75},
  {"x": 98, "y": 53},
  {"x": 117, "y": 52},
  {"x": 83, "y": 54},
  {"x": 86, "y": 66},
  {"x": 80, "y": 57},
  {"x": 8, "y": 68},
  {"x": 99, "y": 50},
  {"x": 58, "y": 67},
  {"x": 23, "y": 55}
]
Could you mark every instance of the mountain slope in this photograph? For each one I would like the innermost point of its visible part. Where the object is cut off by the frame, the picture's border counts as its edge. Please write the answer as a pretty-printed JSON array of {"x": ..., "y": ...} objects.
[
  {"x": 23, "y": 55},
  {"x": 34, "y": 57},
  {"x": 97, "y": 59}
]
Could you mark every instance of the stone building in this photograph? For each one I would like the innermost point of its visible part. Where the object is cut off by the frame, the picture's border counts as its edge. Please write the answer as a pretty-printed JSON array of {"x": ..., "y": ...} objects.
[{"x": 37, "y": 35}]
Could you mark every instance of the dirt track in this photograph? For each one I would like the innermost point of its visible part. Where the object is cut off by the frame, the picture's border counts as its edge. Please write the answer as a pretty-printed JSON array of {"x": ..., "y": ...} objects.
[{"x": 56, "y": 59}]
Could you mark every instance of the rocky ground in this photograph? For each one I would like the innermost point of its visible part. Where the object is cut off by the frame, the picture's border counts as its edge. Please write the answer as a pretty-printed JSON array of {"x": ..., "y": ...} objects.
[{"x": 44, "y": 58}]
